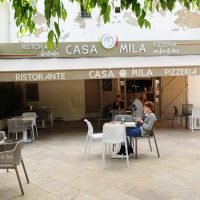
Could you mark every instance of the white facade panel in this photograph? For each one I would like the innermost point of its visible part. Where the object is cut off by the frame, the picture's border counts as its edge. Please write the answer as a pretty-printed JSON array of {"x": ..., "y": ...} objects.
[
  {"x": 5, "y": 27},
  {"x": 55, "y": 64},
  {"x": 193, "y": 92},
  {"x": 178, "y": 25}
]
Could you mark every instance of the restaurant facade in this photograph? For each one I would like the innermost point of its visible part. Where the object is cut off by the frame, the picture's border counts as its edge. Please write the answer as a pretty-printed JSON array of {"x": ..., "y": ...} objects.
[{"x": 94, "y": 62}]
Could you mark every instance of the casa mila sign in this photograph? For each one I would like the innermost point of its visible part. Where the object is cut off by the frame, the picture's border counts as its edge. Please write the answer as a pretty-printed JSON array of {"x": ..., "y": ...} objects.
[
  {"x": 103, "y": 74},
  {"x": 107, "y": 46}
]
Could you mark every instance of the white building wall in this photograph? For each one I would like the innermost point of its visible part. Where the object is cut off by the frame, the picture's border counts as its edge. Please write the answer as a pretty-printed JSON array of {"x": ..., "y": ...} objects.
[
  {"x": 178, "y": 25},
  {"x": 66, "y": 97},
  {"x": 194, "y": 90},
  {"x": 4, "y": 37},
  {"x": 5, "y": 26}
]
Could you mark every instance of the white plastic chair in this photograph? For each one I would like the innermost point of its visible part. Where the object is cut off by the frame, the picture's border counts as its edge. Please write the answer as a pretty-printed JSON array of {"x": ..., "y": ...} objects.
[
  {"x": 124, "y": 118},
  {"x": 10, "y": 158},
  {"x": 90, "y": 136},
  {"x": 114, "y": 134},
  {"x": 34, "y": 124},
  {"x": 195, "y": 116},
  {"x": 17, "y": 125},
  {"x": 2, "y": 136}
]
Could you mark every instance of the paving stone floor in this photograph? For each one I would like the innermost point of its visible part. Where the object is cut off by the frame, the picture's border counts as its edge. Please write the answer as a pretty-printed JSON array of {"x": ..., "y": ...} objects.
[{"x": 58, "y": 169}]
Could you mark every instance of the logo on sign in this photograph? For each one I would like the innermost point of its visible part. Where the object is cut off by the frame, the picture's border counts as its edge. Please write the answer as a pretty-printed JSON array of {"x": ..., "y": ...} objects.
[
  {"x": 108, "y": 41},
  {"x": 123, "y": 73}
]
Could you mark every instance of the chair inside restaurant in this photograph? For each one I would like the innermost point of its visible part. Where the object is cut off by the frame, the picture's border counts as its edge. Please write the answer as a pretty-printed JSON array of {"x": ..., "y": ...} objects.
[{"x": 187, "y": 109}]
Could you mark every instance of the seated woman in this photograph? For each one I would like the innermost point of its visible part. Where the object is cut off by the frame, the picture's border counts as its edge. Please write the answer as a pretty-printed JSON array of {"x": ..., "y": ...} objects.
[{"x": 143, "y": 126}]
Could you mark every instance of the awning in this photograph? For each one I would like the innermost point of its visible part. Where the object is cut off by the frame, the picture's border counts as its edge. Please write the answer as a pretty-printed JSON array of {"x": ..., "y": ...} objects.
[{"x": 97, "y": 68}]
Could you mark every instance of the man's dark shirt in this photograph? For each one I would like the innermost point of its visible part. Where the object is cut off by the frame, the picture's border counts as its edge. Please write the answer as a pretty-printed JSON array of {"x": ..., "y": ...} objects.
[{"x": 116, "y": 105}]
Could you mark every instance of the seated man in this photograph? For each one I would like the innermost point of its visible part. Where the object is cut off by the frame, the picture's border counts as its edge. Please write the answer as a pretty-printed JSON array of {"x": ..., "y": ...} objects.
[
  {"x": 143, "y": 126},
  {"x": 118, "y": 104}
]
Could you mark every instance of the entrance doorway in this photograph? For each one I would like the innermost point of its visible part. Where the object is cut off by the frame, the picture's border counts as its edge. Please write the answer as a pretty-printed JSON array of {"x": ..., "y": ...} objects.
[
  {"x": 138, "y": 88},
  {"x": 174, "y": 93},
  {"x": 145, "y": 89}
]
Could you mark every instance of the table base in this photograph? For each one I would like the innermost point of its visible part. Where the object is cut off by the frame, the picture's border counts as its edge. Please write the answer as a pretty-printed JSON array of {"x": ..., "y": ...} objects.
[
  {"x": 28, "y": 141},
  {"x": 116, "y": 156},
  {"x": 25, "y": 138}
]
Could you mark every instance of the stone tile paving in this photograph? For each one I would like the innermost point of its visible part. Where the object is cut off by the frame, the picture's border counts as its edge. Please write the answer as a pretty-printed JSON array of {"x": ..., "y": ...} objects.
[{"x": 58, "y": 169}]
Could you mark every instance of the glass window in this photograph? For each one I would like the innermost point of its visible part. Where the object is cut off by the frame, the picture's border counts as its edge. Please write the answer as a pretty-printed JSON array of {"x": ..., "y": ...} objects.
[
  {"x": 117, "y": 10},
  {"x": 84, "y": 13}
]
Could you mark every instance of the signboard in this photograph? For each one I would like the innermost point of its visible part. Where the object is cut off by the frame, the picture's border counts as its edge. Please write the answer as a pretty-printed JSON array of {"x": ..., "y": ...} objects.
[
  {"x": 106, "y": 47},
  {"x": 97, "y": 74}
]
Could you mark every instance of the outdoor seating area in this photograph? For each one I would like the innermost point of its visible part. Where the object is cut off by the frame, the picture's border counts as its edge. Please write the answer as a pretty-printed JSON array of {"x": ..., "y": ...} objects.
[
  {"x": 26, "y": 122},
  {"x": 54, "y": 144},
  {"x": 44, "y": 115},
  {"x": 58, "y": 169},
  {"x": 114, "y": 133},
  {"x": 99, "y": 100},
  {"x": 21, "y": 125}
]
